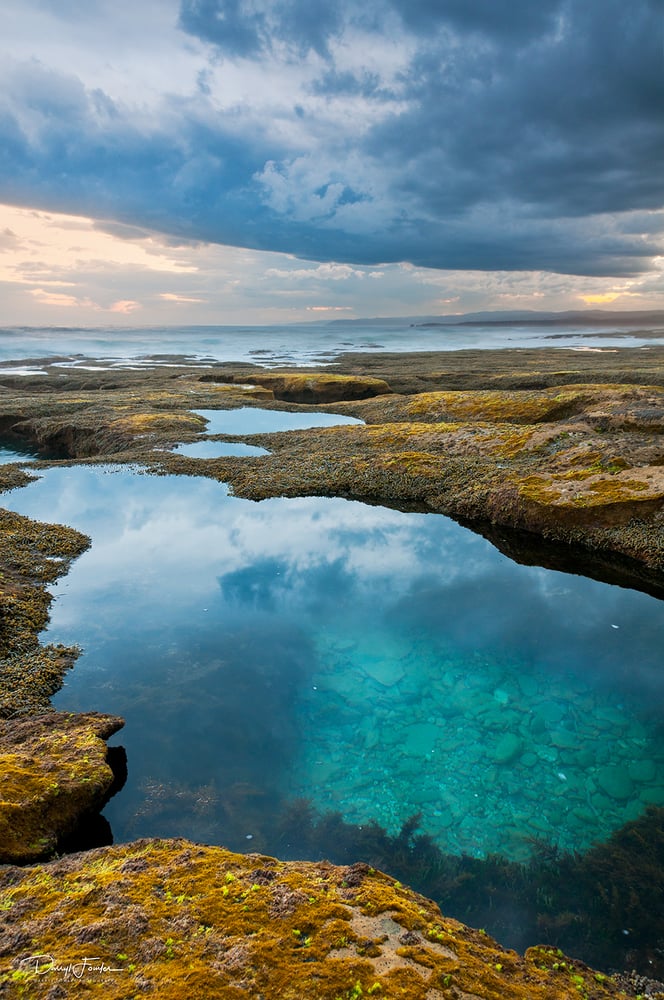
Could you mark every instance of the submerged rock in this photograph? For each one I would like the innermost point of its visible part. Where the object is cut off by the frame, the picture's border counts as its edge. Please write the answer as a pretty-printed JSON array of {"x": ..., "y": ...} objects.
[
  {"x": 508, "y": 749},
  {"x": 172, "y": 919},
  {"x": 616, "y": 782}
]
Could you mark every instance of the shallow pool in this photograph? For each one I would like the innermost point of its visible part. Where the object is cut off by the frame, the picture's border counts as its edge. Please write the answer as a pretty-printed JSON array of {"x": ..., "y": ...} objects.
[
  {"x": 374, "y": 662},
  {"x": 254, "y": 420},
  {"x": 218, "y": 449}
]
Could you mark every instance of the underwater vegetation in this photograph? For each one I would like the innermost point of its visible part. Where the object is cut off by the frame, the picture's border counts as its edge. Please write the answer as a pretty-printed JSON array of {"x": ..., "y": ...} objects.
[{"x": 603, "y": 906}]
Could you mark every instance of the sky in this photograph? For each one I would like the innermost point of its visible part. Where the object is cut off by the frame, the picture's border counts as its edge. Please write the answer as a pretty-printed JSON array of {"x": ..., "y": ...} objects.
[{"x": 262, "y": 161}]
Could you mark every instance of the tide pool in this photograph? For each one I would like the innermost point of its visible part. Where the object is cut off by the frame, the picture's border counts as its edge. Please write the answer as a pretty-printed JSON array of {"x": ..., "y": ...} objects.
[
  {"x": 254, "y": 420},
  {"x": 374, "y": 662},
  {"x": 216, "y": 449}
]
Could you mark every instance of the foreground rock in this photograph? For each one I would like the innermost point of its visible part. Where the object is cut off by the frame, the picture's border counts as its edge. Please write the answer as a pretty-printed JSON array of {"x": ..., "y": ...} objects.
[
  {"x": 54, "y": 770},
  {"x": 173, "y": 919}
]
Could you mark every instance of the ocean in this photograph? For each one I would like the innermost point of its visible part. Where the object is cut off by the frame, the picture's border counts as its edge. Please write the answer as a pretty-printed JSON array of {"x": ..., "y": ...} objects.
[{"x": 311, "y": 344}]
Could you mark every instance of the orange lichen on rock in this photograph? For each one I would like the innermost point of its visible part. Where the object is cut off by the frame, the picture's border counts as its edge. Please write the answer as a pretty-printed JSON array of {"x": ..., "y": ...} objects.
[
  {"x": 53, "y": 770},
  {"x": 174, "y": 919},
  {"x": 590, "y": 488}
]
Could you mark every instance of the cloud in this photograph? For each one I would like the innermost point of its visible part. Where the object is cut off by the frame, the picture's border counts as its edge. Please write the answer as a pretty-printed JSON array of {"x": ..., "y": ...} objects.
[
  {"x": 90, "y": 272},
  {"x": 178, "y": 299},
  {"x": 125, "y": 306},
  {"x": 321, "y": 272},
  {"x": 453, "y": 135},
  {"x": 58, "y": 299},
  {"x": 240, "y": 28}
]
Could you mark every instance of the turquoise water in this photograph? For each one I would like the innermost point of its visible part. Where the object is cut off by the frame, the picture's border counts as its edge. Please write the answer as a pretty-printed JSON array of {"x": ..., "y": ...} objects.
[{"x": 375, "y": 662}]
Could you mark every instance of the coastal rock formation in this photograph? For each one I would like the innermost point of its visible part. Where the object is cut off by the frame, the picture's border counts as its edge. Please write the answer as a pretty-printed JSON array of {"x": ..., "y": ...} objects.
[
  {"x": 173, "y": 919},
  {"x": 53, "y": 771},
  {"x": 317, "y": 387},
  {"x": 537, "y": 450}
]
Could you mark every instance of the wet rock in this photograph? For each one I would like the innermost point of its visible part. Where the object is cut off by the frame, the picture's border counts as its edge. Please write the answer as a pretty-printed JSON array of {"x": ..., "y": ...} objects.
[
  {"x": 653, "y": 796},
  {"x": 642, "y": 771},
  {"x": 387, "y": 672},
  {"x": 316, "y": 387},
  {"x": 563, "y": 739},
  {"x": 421, "y": 739}
]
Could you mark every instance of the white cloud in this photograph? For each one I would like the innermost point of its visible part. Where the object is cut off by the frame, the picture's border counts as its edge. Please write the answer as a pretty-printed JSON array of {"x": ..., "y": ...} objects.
[{"x": 87, "y": 271}]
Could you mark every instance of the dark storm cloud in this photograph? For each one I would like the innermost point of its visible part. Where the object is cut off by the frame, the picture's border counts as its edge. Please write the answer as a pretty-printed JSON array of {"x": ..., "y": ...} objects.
[
  {"x": 552, "y": 109},
  {"x": 451, "y": 133},
  {"x": 244, "y": 29},
  {"x": 570, "y": 123}
]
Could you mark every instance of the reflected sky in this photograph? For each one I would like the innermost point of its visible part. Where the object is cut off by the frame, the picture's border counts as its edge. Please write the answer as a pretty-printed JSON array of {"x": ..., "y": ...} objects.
[
  {"x": 245, "y": 643},
  {"x": 253, "y": 420},
  {"x": 218, "y": 449},
  {"x": 9, "y": 453}
]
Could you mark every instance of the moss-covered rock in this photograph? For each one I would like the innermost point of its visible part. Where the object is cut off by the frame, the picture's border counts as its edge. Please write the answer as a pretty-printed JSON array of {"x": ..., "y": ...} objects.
[
  {"x": 53, "y": 771},
  {"x": 172, "y": 919},
  {"x": 33, "y": 555}
]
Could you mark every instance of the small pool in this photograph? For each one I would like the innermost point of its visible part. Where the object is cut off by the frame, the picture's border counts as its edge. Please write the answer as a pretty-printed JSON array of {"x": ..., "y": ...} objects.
[
  {"x": 254, "y": 420},
  {"x": 218, "y": 449}
]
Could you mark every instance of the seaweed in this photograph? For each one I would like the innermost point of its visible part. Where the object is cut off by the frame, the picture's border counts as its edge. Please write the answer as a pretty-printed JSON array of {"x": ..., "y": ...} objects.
[{"x": 602, "y": 906}]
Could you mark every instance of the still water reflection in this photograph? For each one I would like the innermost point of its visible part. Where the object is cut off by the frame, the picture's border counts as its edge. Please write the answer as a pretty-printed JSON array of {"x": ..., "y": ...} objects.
[
  {"x": 10, "y": 453},
  {"x": 376, "y": 662},
  {"x": 254, "y": 420},
  {"x": 215, "y": 449}
]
